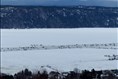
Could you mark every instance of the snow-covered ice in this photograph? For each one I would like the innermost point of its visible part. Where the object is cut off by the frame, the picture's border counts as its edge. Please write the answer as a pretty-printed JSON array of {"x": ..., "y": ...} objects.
[{"x": 65, "y": 59}]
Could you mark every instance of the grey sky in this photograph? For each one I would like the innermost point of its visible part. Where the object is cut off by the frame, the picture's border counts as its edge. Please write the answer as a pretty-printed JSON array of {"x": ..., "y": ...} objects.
[{"x": 110, "y": 3}]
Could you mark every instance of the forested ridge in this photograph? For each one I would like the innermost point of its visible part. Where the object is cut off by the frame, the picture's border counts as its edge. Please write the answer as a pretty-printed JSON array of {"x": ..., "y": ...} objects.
[{"x": 58, "y": 16}]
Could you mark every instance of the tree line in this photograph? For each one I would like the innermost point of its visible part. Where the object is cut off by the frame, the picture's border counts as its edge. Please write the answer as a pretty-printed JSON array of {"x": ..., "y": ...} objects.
[{"x": 75, "y": 74}]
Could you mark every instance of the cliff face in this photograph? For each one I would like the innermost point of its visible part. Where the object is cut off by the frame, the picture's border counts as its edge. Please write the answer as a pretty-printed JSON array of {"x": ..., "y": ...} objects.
[{"x": 58, "y": 17}]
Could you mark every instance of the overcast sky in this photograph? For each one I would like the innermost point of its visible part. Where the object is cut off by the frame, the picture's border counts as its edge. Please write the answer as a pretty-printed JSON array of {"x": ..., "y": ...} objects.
[{"x": 109, "y": 3}]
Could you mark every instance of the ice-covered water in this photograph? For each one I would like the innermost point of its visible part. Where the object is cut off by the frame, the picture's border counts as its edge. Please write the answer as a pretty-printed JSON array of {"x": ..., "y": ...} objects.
[{"x": 65, "y": 59}]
